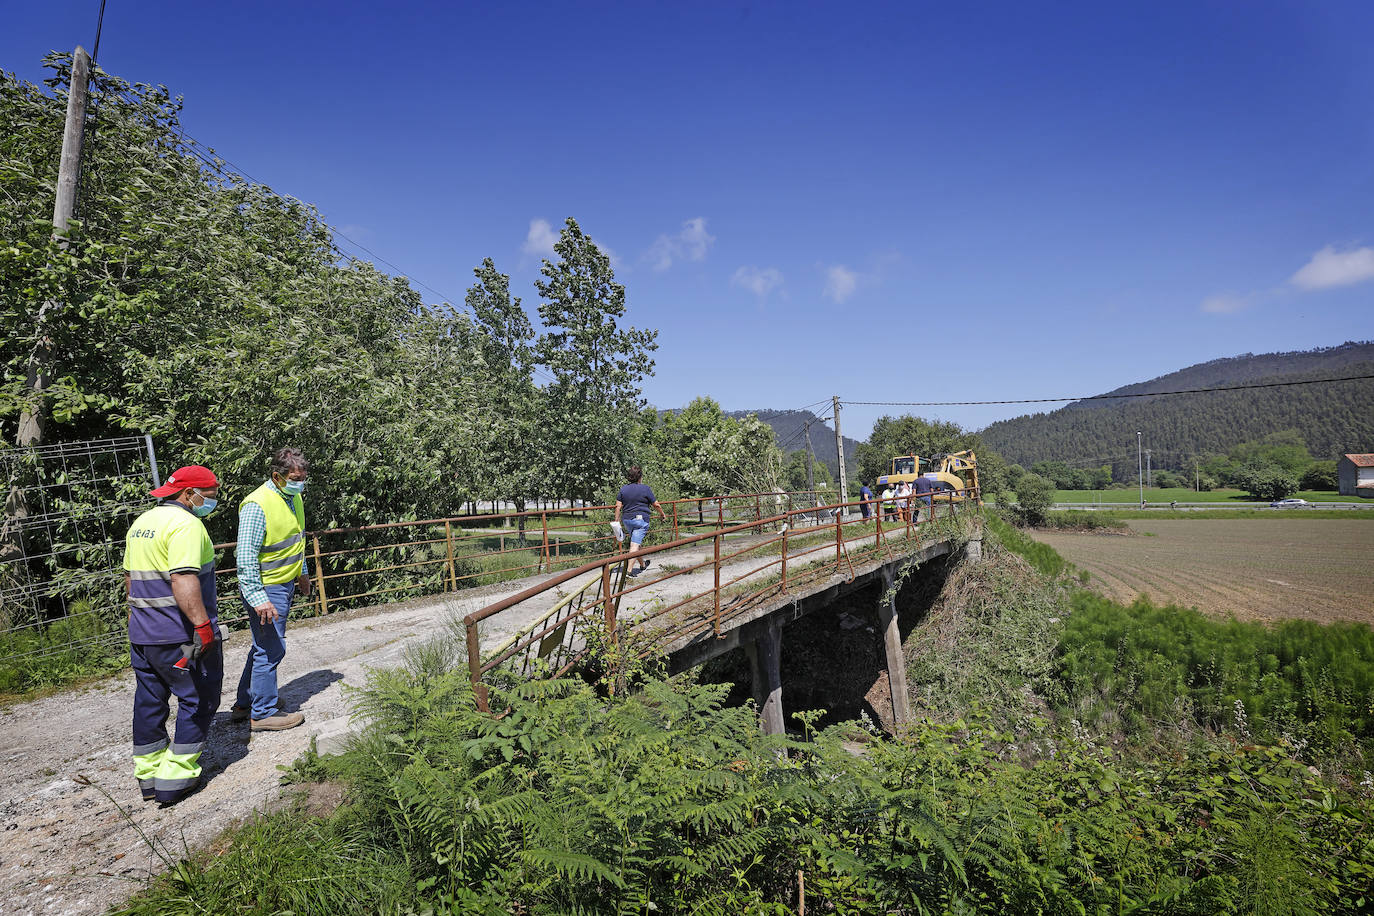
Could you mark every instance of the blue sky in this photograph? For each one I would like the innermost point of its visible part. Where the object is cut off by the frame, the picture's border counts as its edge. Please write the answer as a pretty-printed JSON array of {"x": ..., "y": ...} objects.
[{"x": 888, "y": 202}]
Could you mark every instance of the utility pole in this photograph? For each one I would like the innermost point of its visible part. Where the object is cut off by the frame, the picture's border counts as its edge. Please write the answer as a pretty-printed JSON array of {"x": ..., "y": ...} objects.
[
  {"x": 839, "y": 450},
  {"x": 69, "y": 172},
  {"x": 1197, "y": 481},
  {"x": 1149, "y": 472},
  {"x": 1139, "y": 469},
  {"x": 810, "y": 461}
]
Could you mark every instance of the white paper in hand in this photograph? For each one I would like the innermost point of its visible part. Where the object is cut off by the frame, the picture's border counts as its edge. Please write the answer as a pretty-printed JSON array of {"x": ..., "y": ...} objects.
[{"x": 618, "y": 531}]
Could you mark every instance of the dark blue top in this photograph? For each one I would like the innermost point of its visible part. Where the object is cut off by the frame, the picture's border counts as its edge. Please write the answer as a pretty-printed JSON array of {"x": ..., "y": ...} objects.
[
  {"x": 865, "y": 493},
  {"x": 924, "y": 485},
  {"x": 637, "y": 500}
]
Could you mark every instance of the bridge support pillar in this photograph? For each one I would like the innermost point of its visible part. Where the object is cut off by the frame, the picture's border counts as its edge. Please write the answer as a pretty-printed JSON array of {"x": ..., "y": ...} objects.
[
  {"x": 892, "y": 646},
  {"x": 765, "y": 664}
]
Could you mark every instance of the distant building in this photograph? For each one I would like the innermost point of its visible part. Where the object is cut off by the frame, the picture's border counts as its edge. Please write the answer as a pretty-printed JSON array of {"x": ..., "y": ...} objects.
[{"x": 1355, "y": 474}]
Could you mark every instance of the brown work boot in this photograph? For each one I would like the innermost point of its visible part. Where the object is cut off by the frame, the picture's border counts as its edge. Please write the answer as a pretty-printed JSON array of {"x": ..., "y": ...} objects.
[{"x": 279, "y": 722}]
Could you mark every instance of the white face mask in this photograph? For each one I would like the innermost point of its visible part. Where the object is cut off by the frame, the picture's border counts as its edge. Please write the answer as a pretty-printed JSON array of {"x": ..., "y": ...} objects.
[
  {"x": 207, "y": 505},
  {"x": 290, "y": 487}
]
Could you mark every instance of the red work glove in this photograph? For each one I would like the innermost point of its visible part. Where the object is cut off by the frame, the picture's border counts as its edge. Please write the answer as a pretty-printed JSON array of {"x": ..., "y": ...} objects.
[{"x": 204, "y": 640}]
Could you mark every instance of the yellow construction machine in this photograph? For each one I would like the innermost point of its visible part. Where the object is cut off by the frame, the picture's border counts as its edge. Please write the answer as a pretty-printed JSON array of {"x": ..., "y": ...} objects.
[{"x": 940, "y": 469}]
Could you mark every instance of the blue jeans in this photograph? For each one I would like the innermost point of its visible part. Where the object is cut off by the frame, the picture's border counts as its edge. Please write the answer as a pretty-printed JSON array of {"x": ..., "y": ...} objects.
[
  {"x": 638, "y": 528},
  {"x": 258, "y": 683}
]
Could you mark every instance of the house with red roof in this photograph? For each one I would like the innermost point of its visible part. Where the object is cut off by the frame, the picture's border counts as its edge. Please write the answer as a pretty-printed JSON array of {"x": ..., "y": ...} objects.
[{"x": 1355, "y": 474}]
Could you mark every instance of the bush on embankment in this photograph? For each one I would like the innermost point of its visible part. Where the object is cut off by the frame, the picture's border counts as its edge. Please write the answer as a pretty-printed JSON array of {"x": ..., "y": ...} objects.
[{"x": 667, "y": 801}]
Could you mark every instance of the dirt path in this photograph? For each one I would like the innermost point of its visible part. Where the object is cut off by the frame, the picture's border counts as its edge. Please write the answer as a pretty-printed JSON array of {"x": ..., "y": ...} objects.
[{"x": 67, "y": 848}]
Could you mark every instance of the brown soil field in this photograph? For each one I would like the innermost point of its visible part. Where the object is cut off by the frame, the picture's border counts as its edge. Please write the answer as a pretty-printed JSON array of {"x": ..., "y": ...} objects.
[{"x": 1257, "y": 569}]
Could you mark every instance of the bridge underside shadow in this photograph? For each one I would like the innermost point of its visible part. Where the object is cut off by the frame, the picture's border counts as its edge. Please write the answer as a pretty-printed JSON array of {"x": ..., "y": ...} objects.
[{"x": 838, "y": 648}]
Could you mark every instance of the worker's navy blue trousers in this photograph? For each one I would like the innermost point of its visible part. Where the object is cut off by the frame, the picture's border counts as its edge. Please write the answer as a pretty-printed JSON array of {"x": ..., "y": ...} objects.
[{"x": 166, "y": 771}]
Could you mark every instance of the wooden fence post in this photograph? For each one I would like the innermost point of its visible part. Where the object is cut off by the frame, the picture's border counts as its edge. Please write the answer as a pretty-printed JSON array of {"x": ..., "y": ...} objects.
[{"x": 319, "y": 575}]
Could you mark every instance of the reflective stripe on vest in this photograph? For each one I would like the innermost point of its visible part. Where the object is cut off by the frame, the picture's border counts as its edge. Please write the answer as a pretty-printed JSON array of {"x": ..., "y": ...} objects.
[
  {"x": 283, "y": 553},
  {"x": 164, "y": 538}
]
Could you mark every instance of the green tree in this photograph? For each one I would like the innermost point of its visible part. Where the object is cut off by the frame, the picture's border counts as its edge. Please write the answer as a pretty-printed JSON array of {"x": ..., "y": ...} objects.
[
  {"x": 1320, "y": 475},
  {"x": 678, "y": 439},
  {"x": 511, "y": 465},
  {"x": 215, "y": 315},
  {"x": 597, "y": 366},
  {"x": 1267, "y": 482},
  {"x": 737, "y": 457},
  {"x": 794, "y": 472},
  {"x": 1034, "y": 496}
]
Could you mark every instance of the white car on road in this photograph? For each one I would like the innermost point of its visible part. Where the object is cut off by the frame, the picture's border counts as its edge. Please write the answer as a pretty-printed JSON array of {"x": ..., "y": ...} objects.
[{"x": 1292, "y": 503}]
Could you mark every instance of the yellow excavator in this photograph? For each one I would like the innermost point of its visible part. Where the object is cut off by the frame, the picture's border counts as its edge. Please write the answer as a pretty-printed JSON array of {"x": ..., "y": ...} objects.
[{"x": 953, "y": 473}]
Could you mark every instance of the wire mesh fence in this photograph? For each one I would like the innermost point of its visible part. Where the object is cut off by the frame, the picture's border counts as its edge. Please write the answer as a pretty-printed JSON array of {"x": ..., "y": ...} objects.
[{"x": 67, "y": 508}]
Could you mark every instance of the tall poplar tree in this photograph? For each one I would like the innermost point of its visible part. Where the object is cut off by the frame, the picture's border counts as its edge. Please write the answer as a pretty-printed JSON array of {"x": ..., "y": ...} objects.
[{"x": 597, "y": 366}]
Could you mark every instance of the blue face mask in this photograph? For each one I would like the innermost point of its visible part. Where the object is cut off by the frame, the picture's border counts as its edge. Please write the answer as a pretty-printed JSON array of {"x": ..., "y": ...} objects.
[
  {"x": 206, "y": 507},
  {"x": 293, "y": 487}
]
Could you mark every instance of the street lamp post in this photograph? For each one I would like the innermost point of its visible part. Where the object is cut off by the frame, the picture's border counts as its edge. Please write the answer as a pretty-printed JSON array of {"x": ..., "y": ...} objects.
[{"x": 1139, "y": 469}]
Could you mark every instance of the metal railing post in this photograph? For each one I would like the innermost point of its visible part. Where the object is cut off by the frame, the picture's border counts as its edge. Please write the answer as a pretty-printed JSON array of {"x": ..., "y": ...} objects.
[
  {"x": 716, "y": 591},
  {"x": 786, "y": 529},
  {"x": 479, "y": 690},
  {"x": 448, "y": 545},
  {"x": 544, "y": 549},
  {"x": 839, "y": 541},
  {"x": 606, "y": 596},
  {"x": 319, "y": 575},
  {"x": 675, "y": 520}
]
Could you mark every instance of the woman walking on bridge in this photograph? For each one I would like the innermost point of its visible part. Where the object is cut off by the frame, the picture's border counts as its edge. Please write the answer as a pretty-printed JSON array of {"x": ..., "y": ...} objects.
[{"x": 637, "y": 501}]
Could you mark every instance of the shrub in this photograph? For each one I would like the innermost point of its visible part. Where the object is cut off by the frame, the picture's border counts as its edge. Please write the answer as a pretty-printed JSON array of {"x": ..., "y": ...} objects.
[{"x": 1034, "y": 496}]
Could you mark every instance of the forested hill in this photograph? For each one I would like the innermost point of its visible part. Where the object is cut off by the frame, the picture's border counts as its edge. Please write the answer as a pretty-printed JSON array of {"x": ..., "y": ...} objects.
[
  {"x": 1332, "y": 418},
  {"x": 788, "y": 430}
]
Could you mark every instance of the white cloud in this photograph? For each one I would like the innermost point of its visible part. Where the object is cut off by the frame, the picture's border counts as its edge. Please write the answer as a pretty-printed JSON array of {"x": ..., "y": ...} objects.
[
  {"x": 540, "y": 239},
  {"x": 1330, "y": 268},
  {"x": 840, "y": 282},
  {"x": 1225, "y": 304},
  {"x": 689, "y": 244},
  {"x": 758, "y": 280}
]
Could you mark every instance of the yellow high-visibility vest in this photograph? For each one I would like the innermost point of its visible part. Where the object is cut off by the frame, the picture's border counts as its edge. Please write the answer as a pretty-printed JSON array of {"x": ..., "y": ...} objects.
[{"x": 283, "y": 548}]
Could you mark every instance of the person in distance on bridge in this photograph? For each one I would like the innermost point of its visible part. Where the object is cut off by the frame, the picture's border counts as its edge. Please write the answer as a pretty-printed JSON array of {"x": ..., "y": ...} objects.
[
  {"x": 174, "y": 646},
  {"x": 271, "y": 569},
  {"x": 637, "y": 501},
  {"x": 865, "y": 499},
  {"x": 922, "y": 489}
]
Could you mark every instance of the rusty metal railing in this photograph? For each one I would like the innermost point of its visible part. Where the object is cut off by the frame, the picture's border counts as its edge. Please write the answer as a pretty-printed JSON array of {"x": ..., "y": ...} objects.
[
  {"x": 356, "y": 567},
  {"x": 749, "y": 563}
]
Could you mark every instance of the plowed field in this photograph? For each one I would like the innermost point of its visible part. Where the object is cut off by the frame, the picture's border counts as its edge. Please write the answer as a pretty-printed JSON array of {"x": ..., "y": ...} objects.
[{"x": 1257, "y": 569}]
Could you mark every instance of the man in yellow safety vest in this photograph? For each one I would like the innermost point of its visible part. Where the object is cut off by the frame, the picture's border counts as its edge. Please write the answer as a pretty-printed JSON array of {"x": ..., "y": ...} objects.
[
  {"x": 271, "y": 569},
  {"x": 169, "y": 577}
]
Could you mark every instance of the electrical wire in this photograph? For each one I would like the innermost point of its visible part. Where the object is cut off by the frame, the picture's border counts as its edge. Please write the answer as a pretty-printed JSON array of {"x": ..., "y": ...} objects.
[
  {"x": 216, "y": 163},
  {"x": 1108, "y": 397},
  {"x": 99, "y": 27}
]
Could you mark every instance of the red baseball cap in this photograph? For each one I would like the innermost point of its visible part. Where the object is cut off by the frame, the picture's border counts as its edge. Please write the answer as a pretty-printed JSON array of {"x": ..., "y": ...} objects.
[{"x": 193, "y": 475}]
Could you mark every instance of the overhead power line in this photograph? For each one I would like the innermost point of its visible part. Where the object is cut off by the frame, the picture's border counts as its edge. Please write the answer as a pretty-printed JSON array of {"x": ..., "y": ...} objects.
[
  {"x": 216, "y": 163},
  {"x": 1109, "y": 397}
]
